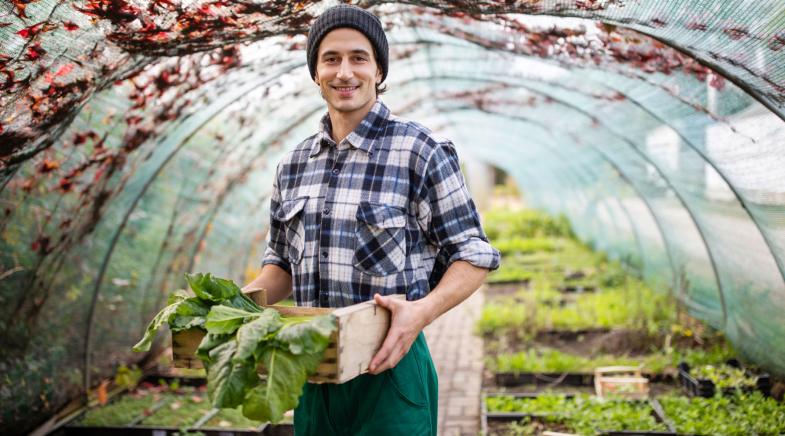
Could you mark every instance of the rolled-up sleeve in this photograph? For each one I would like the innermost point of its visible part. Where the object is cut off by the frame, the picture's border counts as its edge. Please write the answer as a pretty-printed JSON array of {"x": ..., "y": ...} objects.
[
  {"x": 277, "y": 252},
  {"x": 448, "y": 215}
]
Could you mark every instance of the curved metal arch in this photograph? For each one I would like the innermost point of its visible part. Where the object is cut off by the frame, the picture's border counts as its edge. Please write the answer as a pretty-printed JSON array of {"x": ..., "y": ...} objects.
[
  {"x": 624, "y": 177},
  {"x": 691, "y": 213},
  {"x": 743, "y": 203},
  {"x": 220, "y": 199},
  {"x": 116, "y": 235},
  {"x": 589, "y": 175}
]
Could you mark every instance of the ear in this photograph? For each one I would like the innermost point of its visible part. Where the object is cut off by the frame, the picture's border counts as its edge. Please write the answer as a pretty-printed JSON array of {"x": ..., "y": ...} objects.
[{"x": 378, "y": 76}]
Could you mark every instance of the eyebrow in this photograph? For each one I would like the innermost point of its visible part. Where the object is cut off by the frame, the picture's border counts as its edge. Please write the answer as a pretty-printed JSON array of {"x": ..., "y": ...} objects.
[{"x": 355, "y": 51}]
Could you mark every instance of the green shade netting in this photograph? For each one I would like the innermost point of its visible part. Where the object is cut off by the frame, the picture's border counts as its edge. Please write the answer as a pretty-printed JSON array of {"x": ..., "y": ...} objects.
[{"x": 138, "y": 141}]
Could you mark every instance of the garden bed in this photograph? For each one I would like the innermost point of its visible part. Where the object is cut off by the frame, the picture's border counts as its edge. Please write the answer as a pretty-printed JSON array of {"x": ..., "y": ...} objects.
[
  {"x": 582, "y": 414},
  {"x": 166, "y": 405}
]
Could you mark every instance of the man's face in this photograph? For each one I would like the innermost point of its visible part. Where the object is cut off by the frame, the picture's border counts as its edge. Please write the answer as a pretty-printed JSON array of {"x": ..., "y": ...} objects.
[{"x": 346, "y": 71}]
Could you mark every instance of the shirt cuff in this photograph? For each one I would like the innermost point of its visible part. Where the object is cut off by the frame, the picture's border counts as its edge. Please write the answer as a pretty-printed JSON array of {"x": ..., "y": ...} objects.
[
  {"x": 271, "y": 258},
  {"x": 476, "y": 251}
]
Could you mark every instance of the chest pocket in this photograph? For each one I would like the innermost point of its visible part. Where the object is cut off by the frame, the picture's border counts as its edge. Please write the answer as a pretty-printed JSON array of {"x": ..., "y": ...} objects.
[
  {"x": 380, "y": 239},
  {"x": 290, "y": 214}
]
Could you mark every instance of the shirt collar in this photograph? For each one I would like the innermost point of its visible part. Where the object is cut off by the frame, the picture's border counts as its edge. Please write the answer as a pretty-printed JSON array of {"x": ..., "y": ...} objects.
[{"x": 362, "y": 137}]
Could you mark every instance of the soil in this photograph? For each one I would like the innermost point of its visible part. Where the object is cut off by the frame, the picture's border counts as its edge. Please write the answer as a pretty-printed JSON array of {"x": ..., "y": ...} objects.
[
  {"x": 586, "y": 342},
  {"x": 504, "y": 289}
]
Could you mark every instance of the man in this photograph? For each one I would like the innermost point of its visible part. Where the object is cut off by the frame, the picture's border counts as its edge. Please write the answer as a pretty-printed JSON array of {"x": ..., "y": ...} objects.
[{"x": 370, "y": 206}]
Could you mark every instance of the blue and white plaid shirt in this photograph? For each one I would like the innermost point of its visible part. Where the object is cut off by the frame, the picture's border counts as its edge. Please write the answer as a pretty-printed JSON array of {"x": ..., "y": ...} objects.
[{"x": 384, "y": 211}]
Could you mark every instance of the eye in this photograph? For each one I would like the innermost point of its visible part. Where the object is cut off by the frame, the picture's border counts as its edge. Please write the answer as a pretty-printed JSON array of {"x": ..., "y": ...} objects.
[{"x": 359, "y": 59}]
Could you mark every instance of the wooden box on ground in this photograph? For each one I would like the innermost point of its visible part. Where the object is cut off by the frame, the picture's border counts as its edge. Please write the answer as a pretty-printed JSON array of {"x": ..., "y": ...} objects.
[
  {"x": 361, "y": 330},
  {"x": 625, "y": 381}
]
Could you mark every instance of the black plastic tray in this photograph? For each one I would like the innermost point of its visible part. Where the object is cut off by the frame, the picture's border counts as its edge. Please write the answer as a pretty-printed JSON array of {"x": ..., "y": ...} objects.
[
  {"x": 509, "y": 379},
  {"x": 701, "y": 387},
  {"x": 516, "y": 416}
]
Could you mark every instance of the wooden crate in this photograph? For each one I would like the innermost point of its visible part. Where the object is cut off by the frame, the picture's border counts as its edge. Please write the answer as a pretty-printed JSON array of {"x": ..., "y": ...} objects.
[
  {"x": 624, "y": 381},
  {"x": 361, "y": 330}
]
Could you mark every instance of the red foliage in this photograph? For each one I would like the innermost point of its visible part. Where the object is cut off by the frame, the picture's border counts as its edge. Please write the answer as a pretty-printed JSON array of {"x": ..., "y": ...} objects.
[
  {"x": 34, "y": 52},
  {"x": 30, "y": 31},
  {"x": 41, "y": 245},
  {"x": 47, "y": 166},
  {"x": 736, "y": 33},
  {"x": 20, "y": 6},
  {"x": 777, "y": 42},
  {"x": 70, "y": 26}
]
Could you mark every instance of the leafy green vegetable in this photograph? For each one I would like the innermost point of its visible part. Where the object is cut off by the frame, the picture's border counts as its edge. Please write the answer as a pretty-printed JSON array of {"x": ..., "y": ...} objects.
[
  {"x": 210, "y": 288},
  {"x": 286, "y": 375},
  {"x": 162, "y": 317},
  {"x": 224, "y": 319},
  {"x": 227, "y": 381},
  {"x": 306, "y": 337},
  {"x": 240, "y": 338},
  {"x": 251, "y": 334}
]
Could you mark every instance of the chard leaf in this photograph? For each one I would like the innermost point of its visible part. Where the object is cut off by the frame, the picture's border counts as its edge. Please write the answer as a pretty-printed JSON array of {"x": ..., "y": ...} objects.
[
  {"x": 286, "y": 375},
  {"x": 242, "y": 301},
  {"x": 162, "y": 317},
  {"x": 228, "y": 382},
  {"x": 252, "y": 335},
  {"x": 212, "y": 288},
  {"x": 309, "y": 336},
  {"x": 225, "y": 319},
  {"x": 190, "y": 313},
  {"x": 210, "y": 341}
]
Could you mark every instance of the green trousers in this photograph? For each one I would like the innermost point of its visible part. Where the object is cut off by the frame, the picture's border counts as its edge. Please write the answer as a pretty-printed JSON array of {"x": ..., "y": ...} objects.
[{"x": 400, "y": 401}]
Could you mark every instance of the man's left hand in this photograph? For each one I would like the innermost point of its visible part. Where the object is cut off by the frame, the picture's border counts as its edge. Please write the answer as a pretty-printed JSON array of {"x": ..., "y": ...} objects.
[{"x": 408, "y": 318}]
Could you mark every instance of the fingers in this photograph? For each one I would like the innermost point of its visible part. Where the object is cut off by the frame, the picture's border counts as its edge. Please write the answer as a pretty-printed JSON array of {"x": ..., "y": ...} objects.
[
  {"x": 391, "y": 360},
  {"x": 389, "y": 344}
]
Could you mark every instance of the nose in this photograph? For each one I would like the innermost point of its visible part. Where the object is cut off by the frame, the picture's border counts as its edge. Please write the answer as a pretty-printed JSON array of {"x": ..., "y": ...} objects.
[{"x": 345, "y": 70}]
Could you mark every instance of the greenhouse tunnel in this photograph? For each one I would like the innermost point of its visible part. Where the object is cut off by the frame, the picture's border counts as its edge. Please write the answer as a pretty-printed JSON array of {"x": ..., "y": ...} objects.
[{"x": 138, "y": 141}]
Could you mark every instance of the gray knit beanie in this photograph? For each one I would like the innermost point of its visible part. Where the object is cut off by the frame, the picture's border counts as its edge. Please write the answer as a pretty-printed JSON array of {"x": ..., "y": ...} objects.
[{"x": 353, "y": 17}]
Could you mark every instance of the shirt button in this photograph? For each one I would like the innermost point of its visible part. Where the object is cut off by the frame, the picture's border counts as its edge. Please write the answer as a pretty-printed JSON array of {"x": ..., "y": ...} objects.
[
  {"x": 324, "y": 254},
  {"x": 336, "y": 171},
  {"x": 326, "y": 211}
]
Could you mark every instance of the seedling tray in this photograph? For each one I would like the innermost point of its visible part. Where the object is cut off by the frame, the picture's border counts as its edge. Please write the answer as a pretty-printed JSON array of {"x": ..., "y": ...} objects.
[
  {"x": 576, "y": 289},
  {"x": 264, "y": 429},
  {"x": 488, "y": 418},
  {"x": 702, "y": 387},
  {"x": 134, "y": 428},
  {"x": 509, "y": 379}
]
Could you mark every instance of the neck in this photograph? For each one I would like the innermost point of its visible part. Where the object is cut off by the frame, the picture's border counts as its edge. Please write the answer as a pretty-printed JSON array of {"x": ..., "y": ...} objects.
[{"x": 344, "y": 122}]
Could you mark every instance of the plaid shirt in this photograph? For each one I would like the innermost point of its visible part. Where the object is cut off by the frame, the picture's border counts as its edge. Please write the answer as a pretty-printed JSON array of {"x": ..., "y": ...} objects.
[{"x": 384, "y": 211}]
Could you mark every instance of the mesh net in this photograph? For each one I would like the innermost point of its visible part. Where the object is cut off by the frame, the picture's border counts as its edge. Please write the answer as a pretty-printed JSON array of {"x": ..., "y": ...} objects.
[{"x": 138, "y": 141}]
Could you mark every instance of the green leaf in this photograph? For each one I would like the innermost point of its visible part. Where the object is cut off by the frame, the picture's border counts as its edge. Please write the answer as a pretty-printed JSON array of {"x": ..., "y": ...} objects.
[
  {"x": 162, "y": 317},
  {"x": 286, "y": 375},
  {"x": 225, "y": 319},
  {"x": 190, "y": 313},
  {"x": 253, "y": 334},
  {"x": 242, "y": 301},
  {"x": 210, "y": 341},
  {"x": 228, "y": 382},
  {"x": 309, "y": 336},
  {"x": 211, "y": 288}
]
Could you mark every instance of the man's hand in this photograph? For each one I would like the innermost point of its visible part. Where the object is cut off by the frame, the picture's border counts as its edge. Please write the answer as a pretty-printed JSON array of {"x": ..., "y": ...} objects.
[{"x": 408, "y": 318}]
